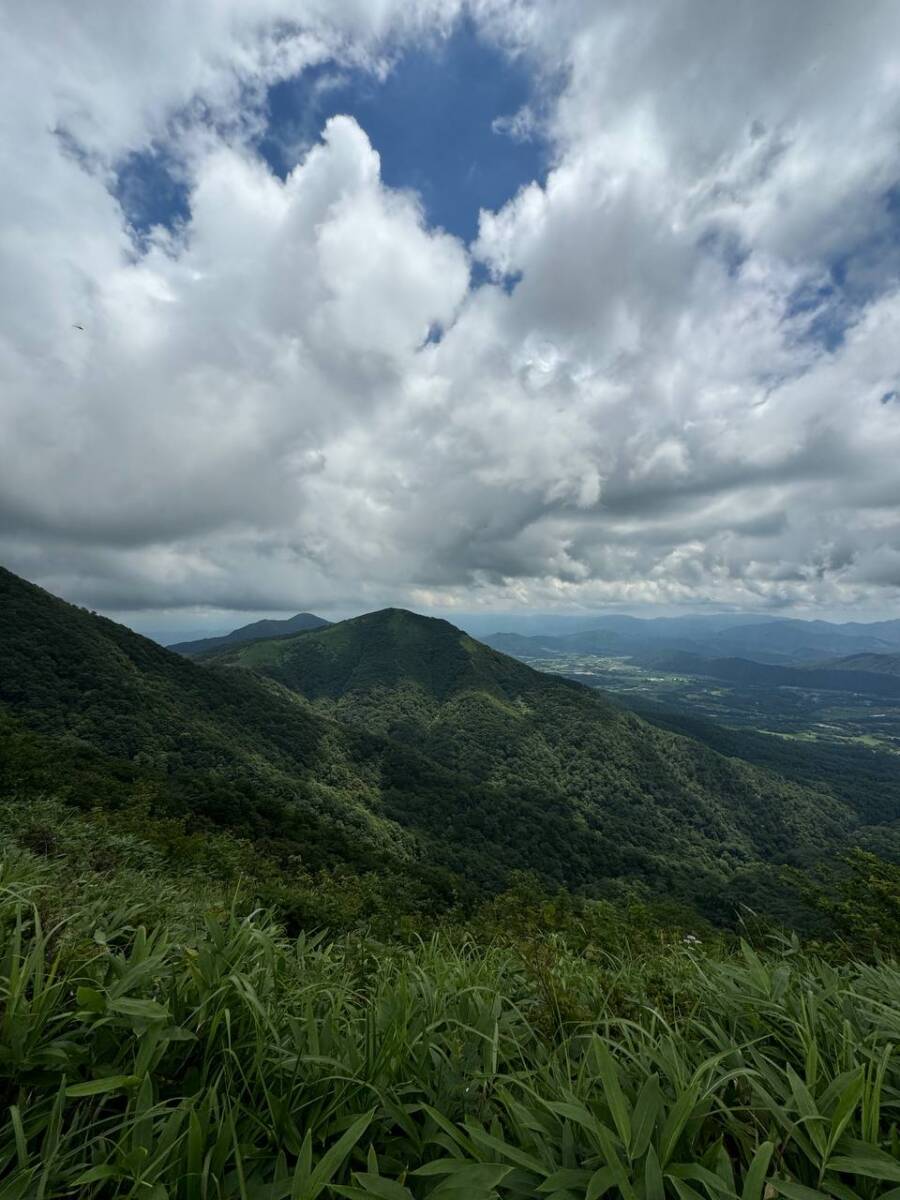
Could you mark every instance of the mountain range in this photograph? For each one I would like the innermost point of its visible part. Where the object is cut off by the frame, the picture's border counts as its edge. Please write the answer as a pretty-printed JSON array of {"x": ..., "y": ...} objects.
[
  {"x": 862, "y": 673},
  {"x": 390, "y": 740},
  {"x": 775, "y": 641}
]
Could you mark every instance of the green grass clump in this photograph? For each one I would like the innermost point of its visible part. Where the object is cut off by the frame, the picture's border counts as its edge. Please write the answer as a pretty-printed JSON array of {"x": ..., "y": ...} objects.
[{"x": 206, "y": 1054}]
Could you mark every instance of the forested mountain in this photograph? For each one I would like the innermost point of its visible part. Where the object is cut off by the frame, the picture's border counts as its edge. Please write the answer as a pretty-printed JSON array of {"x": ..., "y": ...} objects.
[
  {"x": 861, "y": 778},
  {"x": 803, "y": 641},
  {"x": 249, "y": 633},
  {"x": 390, "y": 739},
  {"x": 569, "y": 780},
  {"x": 115, "y": 714}
]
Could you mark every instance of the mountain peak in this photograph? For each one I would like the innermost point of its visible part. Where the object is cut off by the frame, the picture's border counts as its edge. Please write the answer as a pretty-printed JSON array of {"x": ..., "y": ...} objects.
[
  {"x": 382, "y": 649},
  {"x": 405, "y": 618},
  {"x": 249, "y": 633}
]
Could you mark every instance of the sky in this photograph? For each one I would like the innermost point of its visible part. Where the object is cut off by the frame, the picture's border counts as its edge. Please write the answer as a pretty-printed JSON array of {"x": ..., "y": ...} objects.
[{"x": 469, "y": 306}]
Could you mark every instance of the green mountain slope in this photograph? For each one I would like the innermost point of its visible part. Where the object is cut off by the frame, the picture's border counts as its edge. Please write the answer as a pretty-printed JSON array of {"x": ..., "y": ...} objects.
[
  {"x": 91, "y": 711},
  {"x": 575, "y": 784},
  {"x": 866, "y": 780},
  {"x": 382, "y": 650},
  {"x": 387, "y": 740},
  {"x": 249, "y": 633}
]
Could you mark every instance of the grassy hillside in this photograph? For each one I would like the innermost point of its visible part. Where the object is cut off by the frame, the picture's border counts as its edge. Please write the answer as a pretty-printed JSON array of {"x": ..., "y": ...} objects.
[
  {"x": 163, "y": 1034},
  {"x": 157, "y": 1040}
]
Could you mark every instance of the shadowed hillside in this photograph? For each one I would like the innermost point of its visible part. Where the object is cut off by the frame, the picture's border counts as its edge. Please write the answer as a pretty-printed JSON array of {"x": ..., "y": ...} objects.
[
  {"x": 230, "y": 748},
  {"x": 249, "y": 633}
]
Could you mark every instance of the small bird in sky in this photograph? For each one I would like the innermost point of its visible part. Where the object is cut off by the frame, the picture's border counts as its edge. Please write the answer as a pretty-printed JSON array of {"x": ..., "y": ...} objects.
[{"x": 81, "y": 327}]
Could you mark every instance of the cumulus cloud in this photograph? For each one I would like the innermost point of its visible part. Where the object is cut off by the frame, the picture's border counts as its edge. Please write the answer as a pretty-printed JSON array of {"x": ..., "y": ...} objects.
[{"x": 670, "y": 389}]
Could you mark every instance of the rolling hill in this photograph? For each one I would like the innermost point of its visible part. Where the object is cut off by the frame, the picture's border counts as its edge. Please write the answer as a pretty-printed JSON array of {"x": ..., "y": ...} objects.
[
  {"x": 249, "y": 633},
  {"x": 876, "y": 664},
  {"x": 776, "y": 641},
  {"x": 868, "y": 674}
]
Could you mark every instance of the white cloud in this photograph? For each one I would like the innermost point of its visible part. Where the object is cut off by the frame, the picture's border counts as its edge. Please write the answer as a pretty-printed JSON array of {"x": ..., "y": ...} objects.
[
  {"x": 521, "y": 126},
  {"x": 637, "y": 410}
]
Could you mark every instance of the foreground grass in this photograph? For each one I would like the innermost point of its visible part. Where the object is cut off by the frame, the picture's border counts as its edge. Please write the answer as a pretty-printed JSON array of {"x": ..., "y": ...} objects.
[{"x": 206, "y": 1055}]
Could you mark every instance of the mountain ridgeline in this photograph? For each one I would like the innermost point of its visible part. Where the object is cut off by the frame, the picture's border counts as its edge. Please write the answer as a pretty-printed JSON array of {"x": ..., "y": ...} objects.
[
  {"x": 777, "y": 641},
  {"x": 391, "y": 742},
  {"x": 566, "y": 782},
  {"x": 248, "y": 633}
]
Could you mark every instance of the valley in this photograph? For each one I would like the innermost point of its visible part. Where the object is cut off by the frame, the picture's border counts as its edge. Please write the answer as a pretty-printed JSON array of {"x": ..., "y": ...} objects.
[{"x": 809, "y": 713}]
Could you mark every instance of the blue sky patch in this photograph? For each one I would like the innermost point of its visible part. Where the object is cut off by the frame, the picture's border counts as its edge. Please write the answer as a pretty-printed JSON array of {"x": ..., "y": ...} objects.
[
  {"x": 855, "y": 277},
  {"x": 827, "y": 315},
  {"x": 431, "y": 120},
  {"x": 442, "y": 122},
  {"x": 151, "y": 190}
]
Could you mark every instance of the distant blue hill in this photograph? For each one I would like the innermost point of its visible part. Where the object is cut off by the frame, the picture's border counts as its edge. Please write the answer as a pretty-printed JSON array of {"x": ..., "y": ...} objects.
[
  {"x": 251, "y": 633},
  {"x": 777, "y": 641}
]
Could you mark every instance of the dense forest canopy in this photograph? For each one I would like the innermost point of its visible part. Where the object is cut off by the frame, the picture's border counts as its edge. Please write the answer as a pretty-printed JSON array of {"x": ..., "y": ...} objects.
[{"x": 397, "y": 744}]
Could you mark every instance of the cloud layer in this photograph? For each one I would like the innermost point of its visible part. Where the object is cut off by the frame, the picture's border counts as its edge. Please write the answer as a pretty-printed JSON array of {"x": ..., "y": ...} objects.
[{"x": 667, "y": 375}]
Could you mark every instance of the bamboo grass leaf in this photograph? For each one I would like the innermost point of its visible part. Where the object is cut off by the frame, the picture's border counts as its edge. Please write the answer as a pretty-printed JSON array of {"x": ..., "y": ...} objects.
[
  {"x": 755, "y": 1178},
  {"x": 97, "y": 1087}
]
